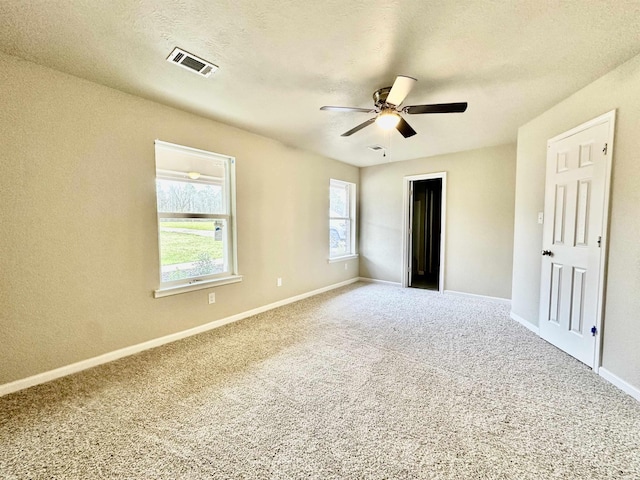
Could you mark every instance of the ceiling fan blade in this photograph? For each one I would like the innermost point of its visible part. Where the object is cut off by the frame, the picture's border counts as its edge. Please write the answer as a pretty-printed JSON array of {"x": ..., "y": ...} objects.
[
  {"x": 347, "y": 109},
  {"x": 405, "y": 129},
  {"x": 401, "y": 88},
  {"x": 437, "y": 108},
  {"x": 359, "y": 127}
]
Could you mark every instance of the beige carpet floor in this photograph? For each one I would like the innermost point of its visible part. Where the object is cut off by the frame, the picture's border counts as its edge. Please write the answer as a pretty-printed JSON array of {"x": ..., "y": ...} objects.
[{"x": 365, "y": 382}]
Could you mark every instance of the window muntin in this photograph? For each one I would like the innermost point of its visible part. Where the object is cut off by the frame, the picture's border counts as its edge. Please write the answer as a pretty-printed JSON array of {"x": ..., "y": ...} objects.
[
  {"x": 195, "y": 215},
  {"x": 341, "y": 218}
]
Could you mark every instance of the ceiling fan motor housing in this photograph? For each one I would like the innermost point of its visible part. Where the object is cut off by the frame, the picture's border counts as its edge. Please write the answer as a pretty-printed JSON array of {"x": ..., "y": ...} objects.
[{"x": 380, "y": 97}]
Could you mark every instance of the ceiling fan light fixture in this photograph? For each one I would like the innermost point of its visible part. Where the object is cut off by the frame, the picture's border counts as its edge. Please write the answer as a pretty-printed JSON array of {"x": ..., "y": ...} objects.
[{"x": 387, "y": 120}]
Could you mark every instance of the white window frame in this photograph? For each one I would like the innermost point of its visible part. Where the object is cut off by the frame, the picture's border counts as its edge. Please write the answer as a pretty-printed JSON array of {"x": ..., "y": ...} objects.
[
  {"x": 351, "y": 219},
  {"x": 230, "y": 275}
]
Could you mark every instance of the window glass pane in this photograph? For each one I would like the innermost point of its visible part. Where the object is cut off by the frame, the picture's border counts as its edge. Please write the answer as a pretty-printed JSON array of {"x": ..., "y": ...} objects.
[
  {"x": 191, "y": 248},
  {"x": 177, "y": 196},
  {"x": 339, "y": 200},
  {"x": 339, "y": 237}
]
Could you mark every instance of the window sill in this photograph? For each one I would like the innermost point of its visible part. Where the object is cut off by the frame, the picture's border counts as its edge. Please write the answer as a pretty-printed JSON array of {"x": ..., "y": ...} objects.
[
  {"x": 190, "y": 287},
  {"x": 343, "y": 258}
]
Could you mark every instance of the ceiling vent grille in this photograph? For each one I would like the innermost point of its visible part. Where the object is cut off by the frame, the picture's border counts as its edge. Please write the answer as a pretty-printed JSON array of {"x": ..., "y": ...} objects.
[
  {"x": 191, "y": 62},
  {"x": 375, "y": 147}
]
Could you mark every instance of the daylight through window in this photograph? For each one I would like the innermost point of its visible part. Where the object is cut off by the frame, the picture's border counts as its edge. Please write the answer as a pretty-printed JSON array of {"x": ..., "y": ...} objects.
[
  {"x": 195, "y": 215},
  {"x": 342, "y": 213}
]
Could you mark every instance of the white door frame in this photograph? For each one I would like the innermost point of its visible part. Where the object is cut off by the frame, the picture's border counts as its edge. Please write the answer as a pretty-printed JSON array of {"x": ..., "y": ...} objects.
[
  {"x": 406, "y": 226},
  {"x": 604, "y": 250}
]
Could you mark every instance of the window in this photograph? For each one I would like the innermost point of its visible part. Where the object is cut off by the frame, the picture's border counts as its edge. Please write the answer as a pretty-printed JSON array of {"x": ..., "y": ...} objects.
[
  {"x": 342, "y": 219},
  {"x": 195, "y": 193}
]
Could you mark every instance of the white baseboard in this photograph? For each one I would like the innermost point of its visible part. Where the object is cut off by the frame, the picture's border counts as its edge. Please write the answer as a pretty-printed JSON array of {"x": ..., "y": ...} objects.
[
  {"x": 618, "y": 382},
  {"x": 156, "y": 342},
  {"x": 534, "y": 328},
  {"x": 486, "y": 297},
  {"x": 384, "y": 282}
]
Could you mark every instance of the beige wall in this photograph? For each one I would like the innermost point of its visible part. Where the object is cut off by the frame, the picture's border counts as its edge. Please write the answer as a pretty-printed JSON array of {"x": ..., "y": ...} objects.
[
  {"x": 619, "y": 90},
  {"x": 78, "y": 231},
  {"x": 479, "y": 224}
]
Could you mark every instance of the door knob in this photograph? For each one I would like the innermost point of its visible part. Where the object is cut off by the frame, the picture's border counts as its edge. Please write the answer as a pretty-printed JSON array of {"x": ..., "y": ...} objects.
[{"x": 547, "y": 252}]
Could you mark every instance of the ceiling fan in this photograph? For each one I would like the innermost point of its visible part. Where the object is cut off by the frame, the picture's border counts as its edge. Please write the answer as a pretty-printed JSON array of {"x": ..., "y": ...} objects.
[{"x": 387, "y": 103}]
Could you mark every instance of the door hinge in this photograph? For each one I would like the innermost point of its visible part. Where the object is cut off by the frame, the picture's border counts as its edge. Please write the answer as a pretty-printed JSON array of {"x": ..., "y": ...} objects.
[
  {"x": 599, "y": 242},
  {"x": 606, "y": 148},
  {"x": 594, "y": 331}
]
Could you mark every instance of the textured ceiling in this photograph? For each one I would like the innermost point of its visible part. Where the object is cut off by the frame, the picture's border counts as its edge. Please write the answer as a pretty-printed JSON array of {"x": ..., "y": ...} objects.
[{"x": 282, "y": 60}]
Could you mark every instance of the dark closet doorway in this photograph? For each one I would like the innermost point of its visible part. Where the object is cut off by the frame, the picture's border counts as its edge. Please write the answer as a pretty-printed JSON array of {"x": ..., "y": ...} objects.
[{"x": 426, "y": 228}]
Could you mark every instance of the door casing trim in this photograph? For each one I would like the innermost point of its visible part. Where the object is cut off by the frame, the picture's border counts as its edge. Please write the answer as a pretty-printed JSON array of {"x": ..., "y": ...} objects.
[{"x": 407, "y": 181}]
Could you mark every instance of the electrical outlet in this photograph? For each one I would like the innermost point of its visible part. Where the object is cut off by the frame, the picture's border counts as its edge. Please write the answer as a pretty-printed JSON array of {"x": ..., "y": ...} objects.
[
  {"x": 346, "y": 266},
  {"x": 279, "y": 282},
  {"x": 212, "y": 298}
]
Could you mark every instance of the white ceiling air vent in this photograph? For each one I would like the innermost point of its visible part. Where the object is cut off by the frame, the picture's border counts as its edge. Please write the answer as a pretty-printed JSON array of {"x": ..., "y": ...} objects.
[
  {"x": 375, "y": 147},
  {"x": 191, "y": 62}
]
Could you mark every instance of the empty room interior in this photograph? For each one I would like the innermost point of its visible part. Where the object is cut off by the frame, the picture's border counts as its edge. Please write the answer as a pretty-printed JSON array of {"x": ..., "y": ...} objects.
[{"x": 264, "y": 239}]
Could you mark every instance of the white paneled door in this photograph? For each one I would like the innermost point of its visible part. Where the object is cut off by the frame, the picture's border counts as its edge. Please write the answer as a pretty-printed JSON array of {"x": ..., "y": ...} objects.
[{"x": 576, "y": 191}]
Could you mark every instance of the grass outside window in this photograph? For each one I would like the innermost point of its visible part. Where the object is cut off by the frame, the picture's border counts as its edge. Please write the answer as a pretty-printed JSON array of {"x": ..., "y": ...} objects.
[{"x": 178, "y": 247}]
